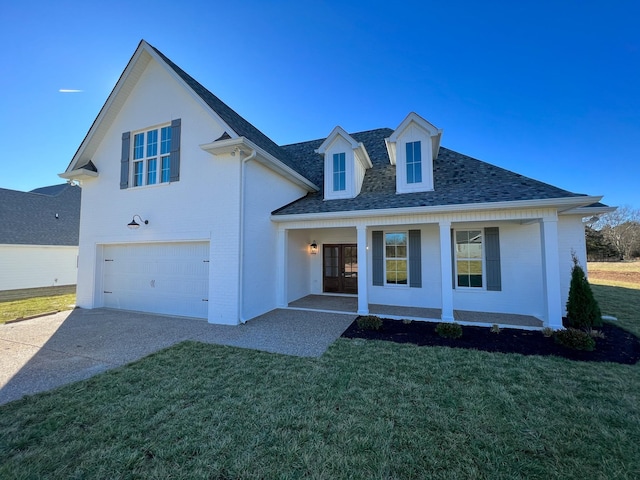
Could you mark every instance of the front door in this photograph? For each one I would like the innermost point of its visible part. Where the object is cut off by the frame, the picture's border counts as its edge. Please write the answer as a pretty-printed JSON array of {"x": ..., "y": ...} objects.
[{"x": 340, "y": 268}]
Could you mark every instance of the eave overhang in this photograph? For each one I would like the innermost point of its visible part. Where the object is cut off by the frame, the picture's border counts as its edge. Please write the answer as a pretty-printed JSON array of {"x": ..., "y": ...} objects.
[
  {"x": 562, "y": 205},
  {"x": 246, "y": 147}
]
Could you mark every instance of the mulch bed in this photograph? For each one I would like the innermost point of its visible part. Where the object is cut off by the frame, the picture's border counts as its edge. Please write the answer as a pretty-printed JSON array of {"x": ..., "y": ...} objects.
[{"x": 618, "y": 346}]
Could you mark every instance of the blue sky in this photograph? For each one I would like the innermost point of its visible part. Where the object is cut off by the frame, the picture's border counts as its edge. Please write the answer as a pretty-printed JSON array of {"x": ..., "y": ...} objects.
[{"x": 548, "y": 89}]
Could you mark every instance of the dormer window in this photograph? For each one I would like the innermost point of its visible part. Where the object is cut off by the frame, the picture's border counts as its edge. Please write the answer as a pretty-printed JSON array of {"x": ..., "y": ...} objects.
[
  {"x": 345, "y": 164},
  {"x": 413, "y": 147},
  {"x": 414, "y": 162},
  {"x": 339, "y": 172}
]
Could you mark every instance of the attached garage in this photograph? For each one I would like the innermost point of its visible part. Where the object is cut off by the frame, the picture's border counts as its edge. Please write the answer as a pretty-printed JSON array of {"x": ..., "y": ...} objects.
[{"x": 165, "y": 278}]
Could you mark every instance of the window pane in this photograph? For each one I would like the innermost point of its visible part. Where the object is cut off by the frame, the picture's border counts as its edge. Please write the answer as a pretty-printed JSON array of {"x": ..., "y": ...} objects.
[
  {"x": 417, "y": 175},
  {"x": 165, "y": 170},
  {"x": 152, "y": 169},
  {"x": 475, "y": 280},
  {"x": 414, "y": 162},
  {"x": 152, "y": 143},
  {"x": 165, "y": 141},
  {"x": 138, "y": 146},
  {"x": 138, "y": 170},
  {"x": 463, "y": 280}
]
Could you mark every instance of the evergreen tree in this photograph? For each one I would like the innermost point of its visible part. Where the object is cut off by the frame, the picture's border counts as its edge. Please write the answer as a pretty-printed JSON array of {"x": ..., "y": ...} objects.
[{"x": 582, "y": 308}]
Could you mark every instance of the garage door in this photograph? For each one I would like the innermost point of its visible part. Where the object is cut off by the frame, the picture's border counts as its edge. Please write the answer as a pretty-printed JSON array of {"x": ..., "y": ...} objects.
[{"x": 167, "y": 278}]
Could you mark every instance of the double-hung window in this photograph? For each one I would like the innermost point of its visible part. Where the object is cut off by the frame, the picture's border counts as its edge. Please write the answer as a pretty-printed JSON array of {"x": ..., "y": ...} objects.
[
  {"x": 339, "y": 172},
  {"x": 396, "y": 268},
  {"x": 151, "y": 156},
  {"x": 469, "y": 267},
  {"x": 414, "y": 162}
]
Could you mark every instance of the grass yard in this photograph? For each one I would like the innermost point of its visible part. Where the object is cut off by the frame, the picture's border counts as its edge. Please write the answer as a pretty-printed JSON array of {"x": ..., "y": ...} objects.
[
  {"x": 366, "y": 409},
  {"x": 10, "y": 310}
]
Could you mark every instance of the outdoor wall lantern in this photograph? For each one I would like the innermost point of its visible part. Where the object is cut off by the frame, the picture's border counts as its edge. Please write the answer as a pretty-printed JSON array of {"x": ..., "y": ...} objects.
[
  {"x": 134, "y": 225},
  {"x": 313, "y": 248}
]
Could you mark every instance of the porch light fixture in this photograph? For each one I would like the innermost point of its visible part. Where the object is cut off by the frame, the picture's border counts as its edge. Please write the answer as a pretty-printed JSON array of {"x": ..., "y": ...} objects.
[
  {"x": 133, "y": 225},
  {"x": 313, "y": 248}
]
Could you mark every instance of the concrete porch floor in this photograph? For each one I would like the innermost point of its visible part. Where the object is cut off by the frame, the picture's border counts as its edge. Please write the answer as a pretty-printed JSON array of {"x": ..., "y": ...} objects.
[{"x": 349, "y": 304}]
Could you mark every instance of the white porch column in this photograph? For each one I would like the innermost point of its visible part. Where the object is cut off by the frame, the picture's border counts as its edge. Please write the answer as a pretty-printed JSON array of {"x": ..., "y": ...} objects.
[
  {"x": 363, "y": 259},
  {"x": 551, "y": 272},
  {"x": 445, "y": 271},
  {"x": 281, "y": 268}
]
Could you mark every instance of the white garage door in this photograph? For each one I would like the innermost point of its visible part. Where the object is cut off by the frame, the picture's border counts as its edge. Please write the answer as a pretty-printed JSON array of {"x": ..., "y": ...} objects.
[{"x": 167, "y": 278}]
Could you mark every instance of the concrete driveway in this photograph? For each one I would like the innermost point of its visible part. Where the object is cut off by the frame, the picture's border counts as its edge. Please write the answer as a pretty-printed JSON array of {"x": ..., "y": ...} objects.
[{"x": 43, "y": 353}]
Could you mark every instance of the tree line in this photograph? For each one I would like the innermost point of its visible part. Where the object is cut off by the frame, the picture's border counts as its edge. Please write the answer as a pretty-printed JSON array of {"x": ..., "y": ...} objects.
[{"x": 614, "y": 236}]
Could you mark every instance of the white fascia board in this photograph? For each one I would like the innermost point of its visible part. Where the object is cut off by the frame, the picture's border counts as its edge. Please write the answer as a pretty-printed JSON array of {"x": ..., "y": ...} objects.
[
  {"x": 337, "y": 131},
  {"x": 364, "y": 156},
  {"x": 79, "y": 174},
  {"x": 391, "y": 150},
  {"x": 585, "y": 211},
  {"x": 107, "y": 108},
  {"x": 130, "y": 74},
  {"x": 430, "y": 128},
  {"x": 573, "y": 202},
  {"x": 222, "y": 147}
]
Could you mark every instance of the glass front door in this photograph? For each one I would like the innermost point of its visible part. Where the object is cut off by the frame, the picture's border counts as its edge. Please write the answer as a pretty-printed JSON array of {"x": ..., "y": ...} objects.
[{"x": 340, "y": 268}]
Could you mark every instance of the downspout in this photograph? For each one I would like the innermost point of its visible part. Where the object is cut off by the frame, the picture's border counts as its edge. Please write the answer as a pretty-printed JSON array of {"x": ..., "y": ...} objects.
[{"x": 241, "y": 262}]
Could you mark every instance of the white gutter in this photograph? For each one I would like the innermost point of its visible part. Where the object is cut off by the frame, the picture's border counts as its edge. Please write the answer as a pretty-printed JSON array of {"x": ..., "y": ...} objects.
[
  {"x": 566, "y": 203},
  {"x": 243, "y": 164}
]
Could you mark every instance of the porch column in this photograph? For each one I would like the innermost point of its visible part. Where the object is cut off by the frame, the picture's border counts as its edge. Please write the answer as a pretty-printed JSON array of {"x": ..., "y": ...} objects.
[
  {"x": 446, "y": 268},
  {"x": 281, "y": 268},
  {"x": 363, "y": 258},
  {"x": 551, "y": 272}
]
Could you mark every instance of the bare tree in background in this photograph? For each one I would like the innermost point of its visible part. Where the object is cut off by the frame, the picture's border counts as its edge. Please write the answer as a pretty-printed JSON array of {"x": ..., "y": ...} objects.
[{"x": 621, "y": 229}]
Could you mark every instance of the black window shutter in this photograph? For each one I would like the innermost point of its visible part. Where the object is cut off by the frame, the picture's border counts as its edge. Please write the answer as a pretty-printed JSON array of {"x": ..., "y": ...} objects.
[
  {"x": 492, "y": 258},
  {"x": 377, "y": 248},
  {"x": 174, "y": 159},
  {"x": 415, "y": 259},
  {"x": 124, "y": 160}
]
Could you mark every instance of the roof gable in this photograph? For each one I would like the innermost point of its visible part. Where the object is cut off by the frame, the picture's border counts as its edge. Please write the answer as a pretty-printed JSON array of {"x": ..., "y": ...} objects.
[{"x": 234, "y": 125}]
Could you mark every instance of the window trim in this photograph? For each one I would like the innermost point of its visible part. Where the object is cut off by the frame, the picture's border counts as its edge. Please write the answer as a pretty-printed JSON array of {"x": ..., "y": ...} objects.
[
  {"x": 162, "y": 176},
  {"x": 414, "y": 165},
  {"x": 384, "y": 259},
  {"x": 482, "y": 260},
  {"x": 339, "y": 157}
]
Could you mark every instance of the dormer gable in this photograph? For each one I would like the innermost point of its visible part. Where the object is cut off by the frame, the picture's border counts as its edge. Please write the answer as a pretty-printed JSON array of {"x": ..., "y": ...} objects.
[
  {"x": 345, "y": 163},
  {"x": 412, "y": 148}
]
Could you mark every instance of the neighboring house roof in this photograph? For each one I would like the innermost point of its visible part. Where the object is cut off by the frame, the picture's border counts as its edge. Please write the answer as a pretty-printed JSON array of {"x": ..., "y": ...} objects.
[
  {"x": 29, "y": 218},
  {"x": 458, "y": 180}
]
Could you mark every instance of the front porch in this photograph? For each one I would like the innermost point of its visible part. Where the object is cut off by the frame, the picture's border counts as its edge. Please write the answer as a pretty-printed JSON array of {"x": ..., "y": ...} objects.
[{"x": 349, "y": 304}]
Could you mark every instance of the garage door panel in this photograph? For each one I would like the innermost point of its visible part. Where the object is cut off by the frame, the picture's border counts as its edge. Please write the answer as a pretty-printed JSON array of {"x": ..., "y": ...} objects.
[{"x": 167, "y": 278}]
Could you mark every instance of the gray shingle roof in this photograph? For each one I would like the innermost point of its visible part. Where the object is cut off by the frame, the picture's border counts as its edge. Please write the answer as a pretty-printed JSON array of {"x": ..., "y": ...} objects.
[
  {"x": 239, "y": 125},
  {"x": 29, "y": 218},
  {"x": 458, "y": 179}
]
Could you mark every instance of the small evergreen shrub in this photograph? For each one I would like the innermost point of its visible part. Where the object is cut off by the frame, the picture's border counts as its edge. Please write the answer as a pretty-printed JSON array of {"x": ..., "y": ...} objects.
[
  {"x": 582, "y": 308},
  {"x": 495, "y": 328},
  {"x": 547, "y": 332},
  {"x": 575, "y": 339},
  {"x": 449, "y": 330},
  {"x": 369, "y": 322}
]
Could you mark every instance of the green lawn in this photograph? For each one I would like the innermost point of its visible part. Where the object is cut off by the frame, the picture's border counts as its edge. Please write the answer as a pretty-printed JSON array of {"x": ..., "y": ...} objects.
[
  {"x": 27, "y": 307},
  {"x": 363, "y": 410}
]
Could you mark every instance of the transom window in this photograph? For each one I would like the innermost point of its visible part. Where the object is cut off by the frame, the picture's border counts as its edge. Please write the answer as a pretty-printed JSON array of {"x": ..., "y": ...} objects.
[
  {"x": 414, "y": 162},
  {"x": 151, "y": 150},
  {"x": 339, "y": 172},
  {"x": 469, "y": 258},
  {"x": 396, "y": 258}
]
